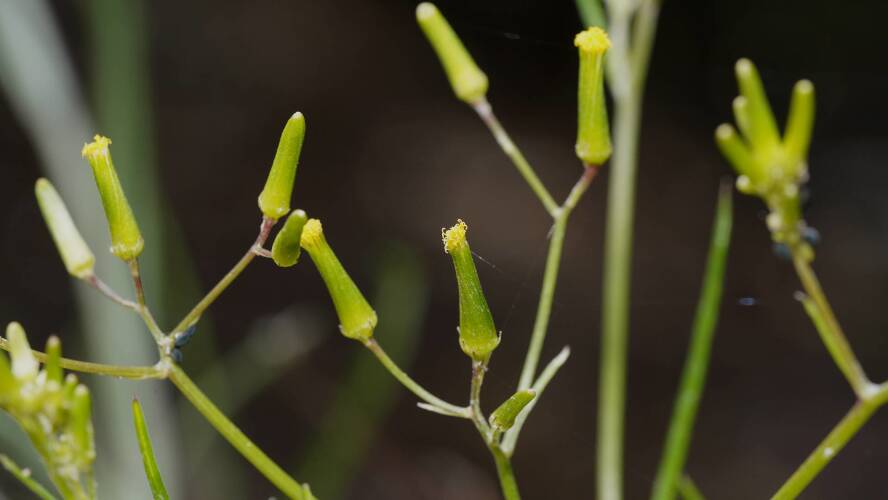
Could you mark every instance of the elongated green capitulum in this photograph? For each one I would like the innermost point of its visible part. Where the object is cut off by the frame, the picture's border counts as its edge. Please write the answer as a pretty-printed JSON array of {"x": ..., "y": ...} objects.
[
  {"x": 503, "y": 418},
  {"x": 356, "y": 318},
  {"x": 469, "y": 83},
  {"x": 593, "y": 131},
  {"x": 274, "y": 200},
  {"x": 78, "y": 258},
  {"x": 126, "y": 239},
  {"x": 53, "y": 364},
  {"x": 762, "y": 133},
  {"x": 797, "y": 136},
  {"x": 80, "y": 424},
  {"x": 477, "y": 334},
  {"x": 24, "y": 364},
  {"x": 287, "y": 244}
]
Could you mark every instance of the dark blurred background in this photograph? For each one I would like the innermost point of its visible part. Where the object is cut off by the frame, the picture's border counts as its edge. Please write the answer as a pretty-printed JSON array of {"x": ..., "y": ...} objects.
[{"x": 391, "y": 157}]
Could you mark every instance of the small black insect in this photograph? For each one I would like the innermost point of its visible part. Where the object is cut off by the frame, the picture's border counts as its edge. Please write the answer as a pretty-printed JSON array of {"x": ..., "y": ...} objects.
[
  {"x": 177, "y": 355},
  {"x": 183, "y": 338}
]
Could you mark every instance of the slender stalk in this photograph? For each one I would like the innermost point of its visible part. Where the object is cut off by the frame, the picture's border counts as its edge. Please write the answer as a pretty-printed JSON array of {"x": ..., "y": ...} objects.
[
  {"x": 24, "y": 476},
  {"x": 141, "y": 306},
  {"x": 829, "y": 328},
  {"x": 128, "y": 372},
  {"x": 688, "y": 490},
  {"x": 506, "y": 476},
  {"x": 238, "y": 439},
  {"x": 222, "y": 285},
  {"x": 828, "y": 448},
  {"x": 550, "y": 277},
  {"x": 478, "y": 371},
  {"x": 687, "y": 401},
  {"x": 439, "y": 405},
  {"x": 627, "y": 70},
  {"x": 511, "y": 437},
  {"x": 485, "y": 112},
  {"x": 107, "y": 291}
]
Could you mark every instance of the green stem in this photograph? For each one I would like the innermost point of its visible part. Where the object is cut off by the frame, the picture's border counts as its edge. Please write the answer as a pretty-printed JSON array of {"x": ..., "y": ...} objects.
[
  {"x": 478, "y": 371},
  {"x": 627, "y": 69},
  {"x": 222, "y": 285},
  {"x": 435, "y": 402},
  {"x": 128, "y": 372},
  {"x": 485, "y": 112},
  {"x": 141, "y": 306},
  {"x": 689, "y": 490},
  {"x": 829, "y": 328},
  {"x": 506, "y": 475},
  {"x": 687, "y": 401},
  {"x": 25, "y": 478},
  {"x": 238, "y": 439},
  {"x": 550, "y": 277},
  {"x": 828, "y": 448}
]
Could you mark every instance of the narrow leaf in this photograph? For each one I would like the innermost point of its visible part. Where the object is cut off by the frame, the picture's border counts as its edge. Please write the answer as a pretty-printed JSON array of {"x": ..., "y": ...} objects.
[
  {"x": 158, "y": 490},
  {"x": 693, "y": 378},
  {"x": 24, "y": 475}
]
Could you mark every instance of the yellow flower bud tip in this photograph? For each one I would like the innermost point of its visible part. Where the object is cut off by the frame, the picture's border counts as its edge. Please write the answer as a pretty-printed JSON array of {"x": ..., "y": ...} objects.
[
  {"x": 274, "y": 200},
  {"x": 24, "y": 364},
  {"x": 594, "y": 40},
  {"x": 469, "y": 83},
  {"x": 312, "y": 234},
  {"x": 99, "y": 147},
  {"x": 454, "y": 237},
  {"x": 76, "y": 255}
]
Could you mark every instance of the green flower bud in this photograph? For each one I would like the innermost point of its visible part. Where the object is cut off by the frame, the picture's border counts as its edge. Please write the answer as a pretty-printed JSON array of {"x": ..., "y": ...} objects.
[
  {"x": 503, "y": 418},
  {"x": 78, "y": 258},
  {"x": 739, "y": 156},
  {"x": 7, "y": 383},
  {"x": 53, "y": 364},
  {"x": 80, "y": 423},
  {"x": 593, "y": 131},
  {"x": 762, "y": 129},
  {"x": 477, "y": 334},
  {"x": 126, "y": 239},
  {"x": 286, "y": 248},
  {"x": 797, "y": 136},
  {"x": 24, "y": 364},
  {"x": 274, "y": 200},
  {"x": 469, "y": 83},
  {"x": 356, "y": 318}
]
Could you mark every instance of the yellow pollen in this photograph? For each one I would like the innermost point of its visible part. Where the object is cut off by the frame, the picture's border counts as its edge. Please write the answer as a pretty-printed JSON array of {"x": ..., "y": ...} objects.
[
  {"x": 455, "y": 236},
  {"x": 99, "y": 146},
  {"x": 312, "y": 233},
  {"x": 593, "y": 40}
]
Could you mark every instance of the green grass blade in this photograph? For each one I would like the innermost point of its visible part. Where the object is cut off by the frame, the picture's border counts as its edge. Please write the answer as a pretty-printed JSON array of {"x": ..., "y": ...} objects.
[
  {"x": 693, "y": 378},
  {"x": 155, "y": 481},
  {"x": 25, "y": 477}
]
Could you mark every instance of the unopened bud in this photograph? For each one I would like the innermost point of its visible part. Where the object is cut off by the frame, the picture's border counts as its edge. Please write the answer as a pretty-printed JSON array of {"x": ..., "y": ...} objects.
[
  {"x": 356, "y": 318},
  {"x": 593, "y": 131},
  {"x": 53, "y": 364},
  {"x": 797, "y": 136},
  {"x": 126, "y": 239},
  {"x": 287, "y": 244},
  {"x": 78, "y": 258},
  {"x": 274, "y": 200},
  {"x": 24, "y": 364},
  {"x": 469, "y": 83},
  {"x": 503, "y": 418},
  {"x": 762, "y": 129},
  {"x": 81, "y": 423},
  {"x": 477, "y": 334}
]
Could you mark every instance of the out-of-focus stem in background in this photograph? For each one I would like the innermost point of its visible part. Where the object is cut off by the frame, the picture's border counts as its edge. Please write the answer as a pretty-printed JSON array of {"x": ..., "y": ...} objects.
[{"x": 632, "y": 26}]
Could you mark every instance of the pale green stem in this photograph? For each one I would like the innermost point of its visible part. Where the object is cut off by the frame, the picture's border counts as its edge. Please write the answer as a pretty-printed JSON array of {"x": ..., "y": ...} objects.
[
  {"x": 506, "y": 475},
  {"x": 238, "y": 439},
  {"x": 627, "y": 69},
  {"x": 128, "y": 372},
  {"x": 511, "y": 436},
  {"x": 222, "y": 285},
  {"x": 829, "y": 328},
  {"x": 693, "y": 377},
  {"x": 689, "y": 490},
  {"x": 550, "y": 277},
  {"x": 141, "y": 306},
  {"x": 478, "y": 371},
  {"x": 438, "y": 404},
  {"x": 24, "y": 476},
  {"x": 485, "y": 112}
]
